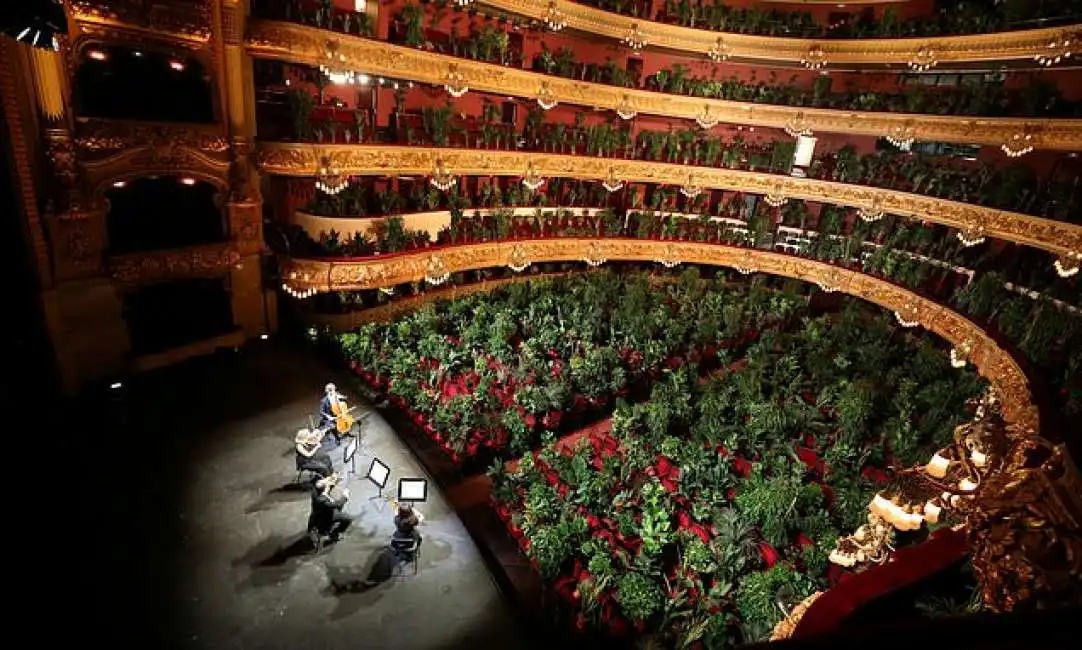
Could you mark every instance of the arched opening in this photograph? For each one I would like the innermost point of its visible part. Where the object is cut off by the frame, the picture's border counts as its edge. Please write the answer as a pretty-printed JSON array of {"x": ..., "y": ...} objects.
[
  {"x": 172, "y": 314},
  {"x": 127, "y": 83},
  {"x": 160, "y": 212}
]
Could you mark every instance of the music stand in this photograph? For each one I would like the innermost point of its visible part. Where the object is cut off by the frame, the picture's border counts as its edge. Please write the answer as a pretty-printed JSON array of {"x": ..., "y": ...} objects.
[
  {"x": 378, "y": 473},
  {"x": 412, "y": 490},
  {"x": 349, "y": 455}
]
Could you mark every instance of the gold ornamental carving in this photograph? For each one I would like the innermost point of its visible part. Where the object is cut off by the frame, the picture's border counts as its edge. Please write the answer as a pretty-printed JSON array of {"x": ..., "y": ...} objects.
[
  {"x": 359, "y": 160},
  {"x": 178, "y": 20},
  {"x": 102, "y": 135},
  {"x": 1002, "y": 46},
  {"x": 198, "y": 261},
  {"x": 307, "y": 45},
  {"x": 991, "y": 361}
]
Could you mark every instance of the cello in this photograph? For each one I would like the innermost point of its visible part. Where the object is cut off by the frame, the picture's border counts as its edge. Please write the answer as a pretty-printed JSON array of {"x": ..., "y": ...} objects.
[{"x": 343, "y": 421}]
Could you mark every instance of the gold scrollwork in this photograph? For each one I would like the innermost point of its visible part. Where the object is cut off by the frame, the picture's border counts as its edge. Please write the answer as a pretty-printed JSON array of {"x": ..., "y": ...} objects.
[{"x": 200, "y": 261}]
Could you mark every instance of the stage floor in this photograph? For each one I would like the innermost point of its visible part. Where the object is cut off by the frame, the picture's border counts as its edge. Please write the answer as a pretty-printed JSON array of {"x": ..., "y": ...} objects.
[{"x": 198, "y": 535}]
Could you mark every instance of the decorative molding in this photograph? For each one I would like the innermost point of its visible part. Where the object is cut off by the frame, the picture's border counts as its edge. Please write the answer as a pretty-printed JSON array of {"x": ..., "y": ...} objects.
[
  {"x": 95, "y": 135},
  {"x": 196, "y": 262},
  {"x": 308, "y": 45},
  {"x": 162, "y": 158},
  {"x": 991, "y": 361},
  {"x": 304, "y": 160},
  {"x": 1001, "y": 46},
  {"x": 174, "y": 21}
]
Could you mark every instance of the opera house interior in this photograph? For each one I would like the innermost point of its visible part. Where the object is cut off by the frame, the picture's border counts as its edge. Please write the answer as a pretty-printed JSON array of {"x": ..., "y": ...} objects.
[{"x": 439, "y": 324}]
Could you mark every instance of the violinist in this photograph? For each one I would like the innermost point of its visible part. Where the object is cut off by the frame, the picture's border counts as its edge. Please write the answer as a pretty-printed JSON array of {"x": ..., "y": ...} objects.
[
  {"x": 310, "y": 454},
  {"x": 330, "y": 408},
  {"x": 406, "y": 521},
  {"x": 327, "y": 516}
]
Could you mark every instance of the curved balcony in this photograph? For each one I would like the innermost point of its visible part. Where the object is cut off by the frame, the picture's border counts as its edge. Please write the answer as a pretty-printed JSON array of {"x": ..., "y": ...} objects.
[
  {"x": 1002, "y": 46},
  {"x": 994, "y": 363},
  {"x": 309, "y": 45},
  {"x": 307, "y": 160}
]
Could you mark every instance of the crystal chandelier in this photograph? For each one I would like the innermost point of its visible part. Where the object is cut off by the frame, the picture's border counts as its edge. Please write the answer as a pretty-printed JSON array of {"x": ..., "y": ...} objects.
[
  {"x": 668, "y": 257},
  {"x": 776, "y": 198},
  {"x": 959, "y": 355},
  {"x": 706, "y": 119},
  {"x": 329, "y": 179},
  {"x": 455, "y": 82},
  {"x": 692, "y": 188},
  {"x": 1019, "y": 145},
  {"x": 546, "y": 99},
  {"x": 299, "y": 295},
  {"x": 611, "y": 182},
  {"x": 1058, "y": 49},
  {"x": 634, "y": 39},
  {"x": 719, "y": 51},
  {"x": 971, "y": 236},
  {"x": 923, "y": 60},
  {"x": 625, "y": 110},
  {"x": 1067, "y": 265},
  {"x": 815, "y": 59},
  {"x": 907, "y": 315},
  {"x": 334, "y": 68},
  {"x": 798, "y": 127},
  {"x": 593, "y": 255},
  {"x": 442, "y": 179},
  {"x": 555, "y": 19},
  {"x": 530, "y": 180},
  {"x": 436, "y": 272},
  {"x": 517, "y": 260},
  {"x": 901, "y": 136},
  {"x": 871, "y": 213}
]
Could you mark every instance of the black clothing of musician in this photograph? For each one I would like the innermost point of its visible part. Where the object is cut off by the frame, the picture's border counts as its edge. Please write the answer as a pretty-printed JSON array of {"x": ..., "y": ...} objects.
[
  {"x": 327, "y": 516},
  {"x": 327, "y": 419},
  {"x": 319, "y": 463},
  {"x": 405, "y": 526}
]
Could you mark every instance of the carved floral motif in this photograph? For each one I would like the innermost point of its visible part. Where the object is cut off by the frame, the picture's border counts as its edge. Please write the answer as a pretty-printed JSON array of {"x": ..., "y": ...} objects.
[
  {"x": 200, "y": 261},
  {"x": 97, "y": 135},
  {"x": 184, "y": 19}
]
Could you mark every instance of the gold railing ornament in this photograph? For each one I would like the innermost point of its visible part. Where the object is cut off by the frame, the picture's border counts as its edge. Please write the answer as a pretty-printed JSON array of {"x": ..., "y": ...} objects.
[
  {"x": 442, "y": 178},
  {"x": 546, "y": 99},
  {"x": 798, "y": 127},
  {"x": 594, "y": 256},
  {"x": 873, "y": 212},
  {"x": 454, "y": 82},
  {"x": 815, "y": 59},
  {"x": 554, "y": 20},
  {"x": 923, "y": 59},
  {"x": 669, "y": 258},
  {"x": 625, "y": 109},
  {"x": 436, "y": 272},
  {"x": 530, "y": 180},
  {"x": 612, "y": 182},
  {"x": 1058, "y": 50},
  {"x": 901, "y": 136},
  {"x": 635, "y": 39},
  {"x": 329, "y": 179},
  {"x": 720, "y": 51},
  {"x": 1067, "y": 265},
  {"x": 787, "y": 626},
  {"x": 517, "y": 260},
  {"x": 706, "y": 119},
  {"x": 776, "y": 198}
]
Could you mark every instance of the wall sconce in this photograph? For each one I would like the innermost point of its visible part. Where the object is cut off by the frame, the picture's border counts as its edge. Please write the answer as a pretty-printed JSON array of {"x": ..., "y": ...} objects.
[
  {"x": 706, "y": 119},
  {"x": 901, "y": 136},
  {"x": 96, "y": 55},
  {"x": 625, "y": 110},
  {"x": 436, "y": 272},
  {"x": 692, "y": 188},
  {"x": 611, "y": 183},
  {"x": 668, "y": 258},
  {"x": 923, "y": 60},
  {"x": 530, "y": 180},
  {"x": 594, "y": 257},
  {"x": 971, "y": 236},
  {"x": 776, "y": 198},
  {"x": 555, "y": 19},
  {"x": 177, "y": 65},
  {"x": 871, "y": 213},
  {"x": 959, "y": 355},
  {"x": 719, "y": 51},
  {"x": 546, "y": 99},
  {"x": 454, "y": 82},
  {"x": 1058, "y": 49},
  {"x": 299, "y": 295},
  {"x": 634, "y": 39},
  {"x": 329, "y": 179},
  {"x": 187, "y": 180},
  {"x": 1067, "y": 265},
  {"x": 815, "y": 59},
  {"x": 907, "y": 315},
  {"x": 120, "y": 184},
  {"x": 798, "y": 127},
  {"x": 517, "y": 260},
  {"x": 1018, "y": 145},
  {"x": 442, "y": 179}
]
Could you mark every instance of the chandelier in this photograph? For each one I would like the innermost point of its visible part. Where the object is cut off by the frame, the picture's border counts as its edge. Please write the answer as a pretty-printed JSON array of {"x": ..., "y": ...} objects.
[
  {"x": 594, "y": 257},
  {"x": 530, "y": 180},
  {"x": 971, "y": 236},
  {"x": 1018, "y": 145},
  {"x": 1067, "y": 265},
  {"x": 815, "y": 59},
  {"x": 329, "y": 179},
  {"x": 1058, "y": 49},
  {"x": 625, "y": 110},
  {"x": 691, "y": 189},
  {"x": 746, "y": 265},
  {"x": 668, "y": 257},
  {"x": 901, "y": 136},
  {"x": 872, "y": 213},
  {"x": 436, "y": 272},
  {"x": 334, "y": 68},
  {"x": 299, "y": 295},
  {"x": 555, "y": 19},
  {"x": 634, "y": 39},
  {"x": 455, "y": 82},
  {"x": 959, "y": 355},
  {"x": 517, "y": 260},
  {"x": 719, "y": 51},
  {"x": 798, "y": 127},
  {"x": 706, "y": 119},
  {"x": 923, "y": 60},
  {"x": 908, "y": 315},
  {"x": 611, "y": 182},
  {"x": 776, "y": 198},
  {"x": 442, "y": 179},
  {"x": 546, "y": 99}
]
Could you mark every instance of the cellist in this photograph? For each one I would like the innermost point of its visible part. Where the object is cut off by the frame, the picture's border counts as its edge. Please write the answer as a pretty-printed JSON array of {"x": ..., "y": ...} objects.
[{"x": 332, "y": 405}]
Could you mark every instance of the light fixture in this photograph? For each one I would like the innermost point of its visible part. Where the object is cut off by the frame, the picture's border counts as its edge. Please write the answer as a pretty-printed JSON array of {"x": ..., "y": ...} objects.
[
  {"x": 299, "y": 295},
  {"x": 971, "y": 236},
  {"x": 776, "y": 198},
  {"x": 798, "y": 127},
  {"x": 901, "y": 136},
  {"x": 442, "y": 179},
  {"x": 1057, "y": 50},
  {"x": 744, "y": 270},
  {"x": 692, "y": 188},
  {"x": 363, "y": 79},
  {"x": 668, "y": 257},
  {"x": 826, "y": 288},
  {"x": 329, "y": 179},
  {"x": 923, "y": 59},
  {"x": 35, "y": 22},
  {"x": 706, "y": 119},
  {"x": 116, "y": 385},
  {"x": 1018, "y": 145},
  {"x": 555, "y": 19},
  {"x": 1067, "y": 265},
  {"x": 634, "y": 39},
  {"x": 119, "y": 184},
  {"x": 387, "y": 291},
  {"x": 436, "y": 272},
  {"x": 937, "y": 466},
  {"x": 517, "y": 260},
  {"x": 873, "y": 212},
  {"x": 594, "y": 257},
  {"x": 334, "y": 66},
  {"x": 546, "y": 99},
  {"x": 611, "y": 183},
  {"x": 463, "y": 3},
  {"x": 530, "y": 180},
  {"x": 625, "y": 110},
  {"x": 97, "y": 55},
  {"x": 177, "y": 65},
  {"x": 815, "y": 59},
  {"x": 719, "y": 51},
  {"x": 187, "y": 180},
  {"x": 908, "y": 315},
  {"x": 959, "y": 355},
  {"x": 455, "y": 82}
]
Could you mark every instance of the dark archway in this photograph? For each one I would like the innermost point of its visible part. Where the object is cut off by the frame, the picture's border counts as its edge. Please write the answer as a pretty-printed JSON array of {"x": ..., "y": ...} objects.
[
  {"x": 133, "y": 84},
  {"x": 172, "y": 314},
  {"x": 160, "y": 212}
]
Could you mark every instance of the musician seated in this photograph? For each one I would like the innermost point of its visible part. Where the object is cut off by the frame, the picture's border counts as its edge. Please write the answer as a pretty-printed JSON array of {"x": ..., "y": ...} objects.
[
  {"x": 311, "y": 455},
  {"x": 327, "y": 517},
  {"x": 406, "y": 521},
  {"x": 328, "y": 419}
]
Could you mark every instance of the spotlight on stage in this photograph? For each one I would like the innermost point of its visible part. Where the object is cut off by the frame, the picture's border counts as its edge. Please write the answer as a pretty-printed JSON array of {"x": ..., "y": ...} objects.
[
  {"x": 116, "y": 385},
  {"x": 378, "y": 473},
  {"x": 412, "y": 490},
  {"x": 264, "y": 337},
  {"x": 34, "y": 22}
]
